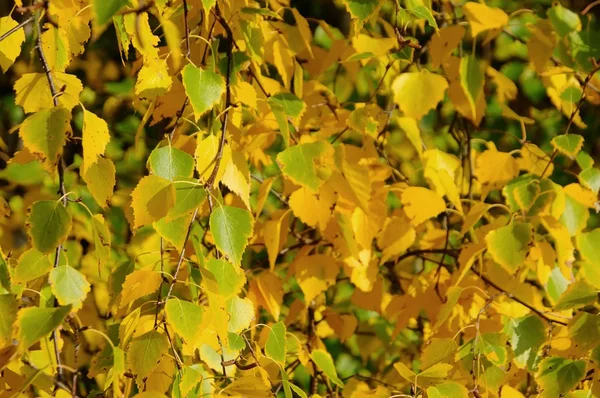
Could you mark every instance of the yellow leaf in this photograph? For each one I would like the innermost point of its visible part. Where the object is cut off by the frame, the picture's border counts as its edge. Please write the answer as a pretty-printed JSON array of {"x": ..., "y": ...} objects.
[
  {"x": 275, "y": 234},
  {"x": 411, "y": 129},
  {"x": 95, "y": 138},
  {"x": 419, "y": 92},
  {"x": 33, "y": 91},
  {"x": 237, "y": 176},
  {"x": 205, "y": 155},
  {"x": 535, "y": 161},
  {"x": 541, "y": 44},
  {"x": 312, "y": 209},
  {"x": 315, "y": 274},
  {"x": 263, "y": 194},
  {"x": 151, "y": 200},
  {"x": 510, "y": 392},
  {"x": 444, "y": 185},
  {"x": 505, "y": 88},
  {"x": 245, "y": 93},
  {"x": 582, "y": 195},
  {"x": 443, "y": 43},
  {"x": 421, "y": 204},
  {"x": 304, "y": 29},
  {"x": 74, "y": 19},
  {"x": 10, "y": 47},
  {"x": 482, "y": 17},
  {"x": 396, "y": 237},
  {"x": 100, "y": 178},
  {"x": 139, "y": 284},
  {"x": 379, "y": 47},
  {"x": 153, "y": 79},
  {"x": 271, "y": 288},
  {"x": 139, "y": 30},
  {"x": 173, "y": 37},
  {"x": 56, "y": 48},
  {"x": 496, "y": 168}
]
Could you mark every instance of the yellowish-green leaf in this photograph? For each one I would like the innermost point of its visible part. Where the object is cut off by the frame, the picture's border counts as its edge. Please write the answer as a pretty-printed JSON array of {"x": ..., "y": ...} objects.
[
  {"x": 556, "y": 375},
  {"x": 231, "y": 228},
  {"x": 105, "y": 9},
  {"x": 31, "y": 265},
  {"x": 204, "y": 88},
  {"x": 230, "y": 278},
  {"x": 101, "y": 179},
  {"x": 185, "y": 318},
  {"x": 298, "y": 163},
  {"x": 153, "y": 79},
  {"x": 206, "y": 153},
  {"x": 448, "y": 389},
  {"x": 139, "y": 284},
  {"x": 49, "y": 225},
  {"x": 169, "y": 163},
  {"x": 151, "y": 200},
  {"x": 34, "y": 323},
  {"x": 145, "y": 353},
  {"x": 577, "y": 295},
  {"x": 324, "y": 362},
  {"x": 45, "y": 133},
  {"x": 69, "y": 286},
  {"x": 509, "y": 245},
  {"x": 275, "y": 345},
  {"x": 56, "y": 48},
  {"x": 361, "y": 11},
  {"x": 568, "y": 144}
]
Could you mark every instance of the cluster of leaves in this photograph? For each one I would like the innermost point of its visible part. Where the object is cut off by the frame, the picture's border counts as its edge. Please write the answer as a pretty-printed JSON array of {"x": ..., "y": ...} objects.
[{"x": 256, "y": 198}]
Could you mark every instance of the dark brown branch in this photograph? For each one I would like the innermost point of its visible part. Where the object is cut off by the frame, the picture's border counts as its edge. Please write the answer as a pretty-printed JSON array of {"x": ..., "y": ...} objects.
[
  {"x": 187, "y": 29},
  {"x": 181, "y": 255},
  {"x": 518, "y": 300},
  {"x": 211, "y": 179}
]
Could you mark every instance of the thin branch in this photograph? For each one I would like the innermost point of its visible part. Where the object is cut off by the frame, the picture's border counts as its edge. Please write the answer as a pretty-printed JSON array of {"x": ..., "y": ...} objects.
[
  {"x": 187, "y": 28},
  {"x": 518, "y": 300},
  {"x": 274, "y": 192},
  {"x": 211, "y": 179},
  {"x": 181, "y": 255},
  {"x": 19, "y": 26}
]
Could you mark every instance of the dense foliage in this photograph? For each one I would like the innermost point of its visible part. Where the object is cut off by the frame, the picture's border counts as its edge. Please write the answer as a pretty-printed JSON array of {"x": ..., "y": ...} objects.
[{"x": 364, "y": 198}]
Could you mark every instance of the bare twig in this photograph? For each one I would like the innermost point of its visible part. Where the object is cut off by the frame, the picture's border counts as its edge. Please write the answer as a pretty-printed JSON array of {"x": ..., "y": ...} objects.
[
  {"x": 187, "y": 28},
  {"x": 19, "y": 26},
  {"x": 181, "y": 255}
]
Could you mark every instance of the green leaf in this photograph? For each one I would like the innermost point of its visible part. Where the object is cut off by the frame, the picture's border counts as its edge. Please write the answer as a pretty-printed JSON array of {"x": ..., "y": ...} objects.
[
  {"x": 35, "y": 323},
  {"x": 185, "y": 318},
  {"x": 587, "y": 243},
  {"x": 526, "y": 335},
  {"x": 448, "y": 389},
  {"x": 8, "y": 309},
  {"x": 105, "y": 9},
  {"x": 298, "y": 163},
  {"x": 472, "y": 78},
  {"x": 438, "y": 350},
  {"x": 590, "y": 178},
  {"x": 174, "y": 231},
  {"x": 203, "y": 87},
  {"x": 230, "y": 278},
  {"x": 145, "y": 353},
  {"x": 509, "y": 245},
  {"x": 44, "y": 133},
  {"x": 584, "y": 160},
  {"x": 236, "y": 341},
  {"x": 568, "y": 144},
  {"x": 4, "y": 273},
  {"x": 168, "y": 162},
  {"x": 574, "y": 216},
  {"x": 361, "y": 10},
  {"x": 31, "y": 265},
  {"x": 564, "y": 20},
  {"x": 275, "y": 345},
  {"x": 493, "y": 346},
  {"x": 577, "y": 295},
  {"x": 291, "y": 105},
  {"x": 584, "y": 331},
  {"x": 419, "y": 10},
  {"x": 49, "y": 225},
  {"x": 69, "y": 286},
  {"x": 231, "y": 227},
  {"x": 557, "y": 376},
  {"x": 189, "y": 194},
  {"x": 323, "y": 360},
  {"x": 117, "y": 277}
]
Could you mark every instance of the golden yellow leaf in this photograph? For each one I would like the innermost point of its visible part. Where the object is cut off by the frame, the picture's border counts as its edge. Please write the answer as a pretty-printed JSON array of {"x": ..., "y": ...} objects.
[
  {"x": 271, "y": 288},
  {"x": 95, "y": 138},
  {"x": 275, "y": 233},
  {"x": 33, "y": 91},
  {"x": 421, "y": 204},
  {"x": 10, "y": 47},
  {"x": 482, "y": 17},
  {"x": 139, "y": 284},
  {"x": 310, "y": 208},
  {"x": 151, "y": 200},
  {"x": 510, "y": 392},
  {"x": 315, "y": 274},
  {"x": 418, "y": 92},
  {"x": 205, "y": 155},
  {"x": 541, "y": 44},
  {"x": 377, "y": 46},
  {"x": 153, "y": 79},
  {"x": 100, "y": 178},
  {"x": 496, "y": 168},
  {"x": 173, "y": 37},
  {"x": 304, "y": 30},
  {"x": 443, "y": 43},
  {"x": 535, "y": 160},
  {"x": 56, "y": 48},
  {"x": 139, "y": 30},
  {"x": 245, "y": 93},
  {"x": 237, "y": 176},
  {"x": 411, "y": 129},
  {"x": 396, "y": 237}
]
